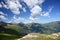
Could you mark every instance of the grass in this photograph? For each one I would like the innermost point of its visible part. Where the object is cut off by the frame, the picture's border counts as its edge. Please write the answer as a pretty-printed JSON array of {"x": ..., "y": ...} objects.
[{"x": 4, "y": 36}]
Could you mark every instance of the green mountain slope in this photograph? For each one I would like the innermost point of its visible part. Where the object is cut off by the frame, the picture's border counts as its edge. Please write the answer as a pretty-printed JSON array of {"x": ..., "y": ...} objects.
[
  {"x": 47, "y": 28},
  {"x": 22, "y": 29},
  {"x": 52, "y": 26}
]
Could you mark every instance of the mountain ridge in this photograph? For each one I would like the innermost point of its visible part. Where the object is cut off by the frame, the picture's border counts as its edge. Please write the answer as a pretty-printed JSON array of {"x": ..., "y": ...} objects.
[{"x": 22, "y": 29}]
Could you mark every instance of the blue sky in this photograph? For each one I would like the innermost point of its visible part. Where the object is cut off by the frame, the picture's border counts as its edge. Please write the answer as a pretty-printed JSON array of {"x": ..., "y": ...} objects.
[{"x": 27, "y": 11}]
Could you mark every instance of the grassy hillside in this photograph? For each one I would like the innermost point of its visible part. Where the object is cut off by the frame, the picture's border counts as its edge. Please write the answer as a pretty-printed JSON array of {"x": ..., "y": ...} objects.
[
  {"x": 47, "y": 28},
  {"x": 5, "y": 36},
  {"x": 52, "y": 26},
  {"x": 9, "y": 30}
]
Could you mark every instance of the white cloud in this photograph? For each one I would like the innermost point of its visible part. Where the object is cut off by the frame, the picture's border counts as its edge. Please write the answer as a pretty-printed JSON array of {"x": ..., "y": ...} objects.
[
  {"x": 36, "y": 9},
  {"x": 1, "y": 13},
  {"x": 0, "y": 5},
  {"x": 47, "y": 14},
  {"x": 41, "y": 1},
  {"x": 32, "y": 18},
  {"x": 32, "y": 3},
  {"x": 24, "y": 9},
  {"x": 2, "y": 16},
  {"x": 28, "y": 21},
  {"x": 14, "y": 5},
  {"x": 35, "y": 12},
  {"x": 4, "y": 5},
  {"x": 17, "y": 20}
]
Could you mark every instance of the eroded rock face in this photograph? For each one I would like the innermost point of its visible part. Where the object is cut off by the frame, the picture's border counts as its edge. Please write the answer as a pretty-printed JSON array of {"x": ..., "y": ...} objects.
[
  {"x": 37, "y": 35},
  {"x": 54, "y": 35},
  {"x": 30, "y": 36}
]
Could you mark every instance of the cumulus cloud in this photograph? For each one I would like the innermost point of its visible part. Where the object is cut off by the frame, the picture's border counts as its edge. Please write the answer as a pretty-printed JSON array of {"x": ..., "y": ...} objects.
[
  {"x": 47, "y": 14},
  {"x": 0, "y": 5},
  {"x": 2, "y": 16},
  {"x": 35, "y": 8},
  {"x": 33, "y": 18},
  {"x": 32, "y": 3},
  {"x": 14, "y": 6},
  {"x": 24, "y": 9},
  {"x": 4, "y": 5},
  {"x": 17, "y": 19},
  {"x": 1, "y": 13},
  {"x": 35, "y": 11},
  {"x": 28, "y": 21}
]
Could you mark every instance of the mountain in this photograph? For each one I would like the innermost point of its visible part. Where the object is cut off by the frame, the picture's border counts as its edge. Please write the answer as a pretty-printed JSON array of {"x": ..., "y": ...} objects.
[
  {"x": 22, "y": 29},
  {"x": 52, "y": 26},
  {"x": 10, "y": 31},
  {"x": 46, "y": 28}
]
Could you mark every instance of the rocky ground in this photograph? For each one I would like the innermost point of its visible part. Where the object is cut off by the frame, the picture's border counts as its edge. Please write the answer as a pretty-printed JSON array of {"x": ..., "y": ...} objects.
[{"x": 33, "y": 36}]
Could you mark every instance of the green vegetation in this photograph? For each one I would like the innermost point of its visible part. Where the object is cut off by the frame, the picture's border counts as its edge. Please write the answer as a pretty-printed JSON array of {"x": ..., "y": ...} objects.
[
  {"x": 11, "y": 31},
  {"x": 4, "y": 36}
]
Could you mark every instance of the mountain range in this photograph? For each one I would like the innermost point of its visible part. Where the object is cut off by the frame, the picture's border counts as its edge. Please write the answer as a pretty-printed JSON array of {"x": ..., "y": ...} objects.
[{"x": 22, "y": 29}]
